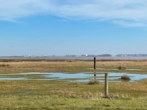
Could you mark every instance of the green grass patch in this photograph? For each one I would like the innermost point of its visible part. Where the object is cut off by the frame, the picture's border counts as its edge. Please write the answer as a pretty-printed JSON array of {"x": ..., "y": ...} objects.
[
  {"x": 47, "y": 103},
  {"x": 62, "y": 95}
]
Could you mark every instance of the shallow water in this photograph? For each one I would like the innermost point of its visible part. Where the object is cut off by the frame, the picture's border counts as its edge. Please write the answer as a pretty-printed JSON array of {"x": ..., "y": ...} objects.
[
  {"x": 131, "y": 69},
  {"x": 77, "y": 77},
  {"x": 11, "y": 79}
]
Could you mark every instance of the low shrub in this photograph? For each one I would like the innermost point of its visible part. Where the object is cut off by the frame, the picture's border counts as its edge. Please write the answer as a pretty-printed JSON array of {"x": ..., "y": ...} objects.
[
  {"x": 92, "y": 82},
  {"x": 3, "y": 65},
  {"x": 121, "y": 68},
  {"x": 125, "y": 77}
]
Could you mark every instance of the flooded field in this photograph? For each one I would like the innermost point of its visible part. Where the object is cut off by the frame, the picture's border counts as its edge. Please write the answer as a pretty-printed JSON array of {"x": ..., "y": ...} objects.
[
  {"x": 76, "y": 77},
  {"x": 130, "y": 69}
]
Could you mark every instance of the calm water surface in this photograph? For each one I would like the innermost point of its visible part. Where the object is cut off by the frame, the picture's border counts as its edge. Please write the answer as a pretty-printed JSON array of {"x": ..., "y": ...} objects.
[{"x": 77, "y": 77}]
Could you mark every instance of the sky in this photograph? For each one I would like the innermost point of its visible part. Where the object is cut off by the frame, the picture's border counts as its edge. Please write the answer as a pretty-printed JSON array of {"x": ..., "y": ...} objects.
[{"x": 60, "y": 27}]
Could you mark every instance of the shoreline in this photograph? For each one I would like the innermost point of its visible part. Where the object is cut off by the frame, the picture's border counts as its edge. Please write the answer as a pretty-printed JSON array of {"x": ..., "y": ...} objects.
[{"x": 67, "y": 60}]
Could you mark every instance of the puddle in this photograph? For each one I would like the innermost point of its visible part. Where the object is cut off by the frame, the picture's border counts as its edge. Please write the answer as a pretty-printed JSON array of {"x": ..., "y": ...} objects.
[
  {"x": 36, "y": 73},
  {"x": 97, "y": 68},
  {"x": 134, "y": 69},
  {"x": 131, "y": 69},
  {"x": 11, "y": 79},
  {"x": 85, "y": 77},
  {"x": 77, "y": 77}
]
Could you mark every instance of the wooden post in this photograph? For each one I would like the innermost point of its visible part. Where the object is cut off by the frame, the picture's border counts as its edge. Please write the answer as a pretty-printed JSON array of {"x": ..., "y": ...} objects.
[
  {"x": 106, "y": 84},
  {"x": 94, "y": 76},
  {"x": 94, "y": 68},
  {"x": 94, "y": 62}
]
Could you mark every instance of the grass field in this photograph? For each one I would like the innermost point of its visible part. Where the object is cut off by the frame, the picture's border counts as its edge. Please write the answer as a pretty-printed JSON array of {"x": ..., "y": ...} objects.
[
  {"x": 60, "y": 95},
  {"x": 68, "y": 66}
]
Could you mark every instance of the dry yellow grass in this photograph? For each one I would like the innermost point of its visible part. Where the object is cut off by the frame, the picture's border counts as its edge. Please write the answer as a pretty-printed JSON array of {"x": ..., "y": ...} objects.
[
  {"x": 64, "y": 95},
  {"x": 65, "y": 66}
]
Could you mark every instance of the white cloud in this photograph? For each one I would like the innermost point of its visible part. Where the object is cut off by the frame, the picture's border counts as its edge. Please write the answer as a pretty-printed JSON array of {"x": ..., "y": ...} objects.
[{"x": 118, "y": 11}]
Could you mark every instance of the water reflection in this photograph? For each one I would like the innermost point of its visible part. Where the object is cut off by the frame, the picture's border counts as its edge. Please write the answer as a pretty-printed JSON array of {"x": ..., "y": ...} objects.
[
  {"x": 130, "y": 69},
  {"x": 94, "y": 76},
  {"x": 77, "y": 77},
  {"x": 13, "y": 79}
]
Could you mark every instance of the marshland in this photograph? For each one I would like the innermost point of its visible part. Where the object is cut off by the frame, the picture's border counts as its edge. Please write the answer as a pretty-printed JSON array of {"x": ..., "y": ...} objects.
[{"x": 34, "y": 94}]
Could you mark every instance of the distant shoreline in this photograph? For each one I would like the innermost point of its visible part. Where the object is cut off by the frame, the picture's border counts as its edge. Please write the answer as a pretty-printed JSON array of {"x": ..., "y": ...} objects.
[
  {"x": 65, "y": 58},
  {"x": 62, "y": 60}
]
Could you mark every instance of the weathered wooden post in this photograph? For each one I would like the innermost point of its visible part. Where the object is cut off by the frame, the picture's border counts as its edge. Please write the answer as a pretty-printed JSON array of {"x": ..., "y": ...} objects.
[
  {"x": 94, "y": 62},
  {"x": 94, "y": 76},
  {"x": 106, "y": 84},
  {"x": 94, "y": 68}
]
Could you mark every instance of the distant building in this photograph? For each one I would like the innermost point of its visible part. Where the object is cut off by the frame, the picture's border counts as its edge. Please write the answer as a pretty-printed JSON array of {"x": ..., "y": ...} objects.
[
  {"x": 105, "y": 55},
  {"x": 70, "y": 55},
  {"x": 84, "y": 55},
  {"x": 131, "y": 55}
]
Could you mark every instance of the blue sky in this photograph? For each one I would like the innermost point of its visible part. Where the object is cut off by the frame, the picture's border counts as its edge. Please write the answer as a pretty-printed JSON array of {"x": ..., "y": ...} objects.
[{"x": 60, "y": 27}]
